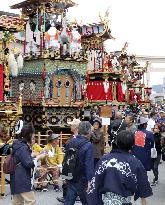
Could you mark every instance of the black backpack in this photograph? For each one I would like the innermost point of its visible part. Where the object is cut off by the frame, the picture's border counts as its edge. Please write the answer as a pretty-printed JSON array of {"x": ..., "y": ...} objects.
[{"x": 71, "y": 166}]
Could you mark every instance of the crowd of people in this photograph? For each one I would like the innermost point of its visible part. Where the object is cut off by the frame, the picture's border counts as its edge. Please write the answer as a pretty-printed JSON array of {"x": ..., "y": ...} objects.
[{"x": 89, "y": 175}]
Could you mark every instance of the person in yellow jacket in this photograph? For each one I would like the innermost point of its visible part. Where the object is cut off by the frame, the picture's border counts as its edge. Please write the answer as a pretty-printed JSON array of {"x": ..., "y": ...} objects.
[
  {"x": 36, "y": 148},
  {"x": 53, "y": 159}
]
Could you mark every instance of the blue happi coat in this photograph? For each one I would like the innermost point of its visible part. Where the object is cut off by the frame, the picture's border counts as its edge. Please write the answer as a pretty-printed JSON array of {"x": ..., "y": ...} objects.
[
  {"x": 142, "y": 148},
  {"x": 120, "y": 173}
]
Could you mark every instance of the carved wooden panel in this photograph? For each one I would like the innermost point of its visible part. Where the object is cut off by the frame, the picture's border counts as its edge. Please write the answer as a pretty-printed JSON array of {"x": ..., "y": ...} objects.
[{"x": 63, "y": 93}]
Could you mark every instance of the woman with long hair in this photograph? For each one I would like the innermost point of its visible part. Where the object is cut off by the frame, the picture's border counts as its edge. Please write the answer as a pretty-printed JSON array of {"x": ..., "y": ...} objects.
[{"x": 21, "y": 188}]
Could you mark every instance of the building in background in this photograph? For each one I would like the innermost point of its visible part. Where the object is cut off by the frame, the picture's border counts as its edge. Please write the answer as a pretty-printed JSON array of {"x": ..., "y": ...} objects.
[
  {"x": 164, "y": 85},
  {"x": 158, "y": 94}
]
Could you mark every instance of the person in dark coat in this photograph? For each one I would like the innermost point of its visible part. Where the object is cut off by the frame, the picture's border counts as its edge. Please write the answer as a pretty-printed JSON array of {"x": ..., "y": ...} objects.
[
  {"x": 97, "y": 140},
  {"x": 119, "y": 176},
  {"x": 156, "y": 161},
  {"x": 117, "y": 125},
  {"x": 85, "y": 153},
  {"x": 144, "y": 141},
  {"x": 20, "y": 180}
]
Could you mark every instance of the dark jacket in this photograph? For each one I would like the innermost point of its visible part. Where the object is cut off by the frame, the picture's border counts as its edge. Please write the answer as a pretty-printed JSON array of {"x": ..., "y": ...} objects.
[
  {"x": 85, "y": 156},
  {"x": 157, "y": 139},
  {"x": 116, "y": 125},
  {"x": 120, "y": 173},
  {"x": 21, "y": 179},
  {"x": 144, "y": 141},
  {"x": 161, "y": 122},
  {"x": 98, "y": 141}
]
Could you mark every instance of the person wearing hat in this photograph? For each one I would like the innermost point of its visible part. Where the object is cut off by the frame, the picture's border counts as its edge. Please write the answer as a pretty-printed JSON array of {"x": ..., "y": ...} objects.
[
  {"x": 53, "y": 159},
  {"x": 119, "y": 176},
  {"x": 97, "y": 140},
  {"x": 144, "y": 141}
]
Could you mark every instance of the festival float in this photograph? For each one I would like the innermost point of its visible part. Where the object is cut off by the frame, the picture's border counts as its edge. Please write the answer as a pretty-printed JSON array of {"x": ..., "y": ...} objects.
[
  {"x": 60, "y": 69},
  {"x": 10, "y": 111}
]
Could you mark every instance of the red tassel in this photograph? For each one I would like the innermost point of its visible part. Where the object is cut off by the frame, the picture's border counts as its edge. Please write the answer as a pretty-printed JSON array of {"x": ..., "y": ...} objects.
[
  {"x": 25, "y": 42},
  {"x": 1, "y": 83},
  {"x": 44, "y": 73}
]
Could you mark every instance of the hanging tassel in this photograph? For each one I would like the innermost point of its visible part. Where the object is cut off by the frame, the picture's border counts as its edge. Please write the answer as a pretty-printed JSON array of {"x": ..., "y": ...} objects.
[
  {"x": 14, "y": 69},
  {"x": 37, "y": 21},
  {"x": 25, "y": 39},
  {"x": 20, "y": 61},
  {"x": 11, "y": 59},
  {"x": 44, "y": 18},
  {"x": 13, "y": 66}
]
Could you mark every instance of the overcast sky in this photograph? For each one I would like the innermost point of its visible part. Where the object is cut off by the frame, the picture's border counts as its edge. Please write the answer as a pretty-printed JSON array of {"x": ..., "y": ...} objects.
[{"x": 139, "y": 22}]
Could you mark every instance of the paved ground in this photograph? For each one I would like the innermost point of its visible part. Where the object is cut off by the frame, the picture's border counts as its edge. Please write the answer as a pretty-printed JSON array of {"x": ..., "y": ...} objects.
[{"x": 49, "y": 198}]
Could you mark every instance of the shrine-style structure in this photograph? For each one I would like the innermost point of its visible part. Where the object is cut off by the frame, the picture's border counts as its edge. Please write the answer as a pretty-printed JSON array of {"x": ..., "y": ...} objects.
[
  {"x": 10, "y": 111},
  {"x": 61, "y": 68}
]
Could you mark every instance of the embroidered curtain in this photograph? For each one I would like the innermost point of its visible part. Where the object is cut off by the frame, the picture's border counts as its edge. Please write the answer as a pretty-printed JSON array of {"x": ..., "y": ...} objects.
[
  {"x": 95, "y": 91},
  {"x": 120, "y": 95}
]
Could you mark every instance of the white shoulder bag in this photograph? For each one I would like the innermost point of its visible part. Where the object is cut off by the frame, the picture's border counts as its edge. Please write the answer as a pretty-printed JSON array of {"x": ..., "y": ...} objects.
[{"x": 153, "y": 152}]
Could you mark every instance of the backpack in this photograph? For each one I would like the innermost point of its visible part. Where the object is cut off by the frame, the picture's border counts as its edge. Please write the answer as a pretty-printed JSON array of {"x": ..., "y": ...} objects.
[
  {"x": 71, "y": 166},
  {"x": 5, "y": 150},
  {"x": 9, "y": 164}
]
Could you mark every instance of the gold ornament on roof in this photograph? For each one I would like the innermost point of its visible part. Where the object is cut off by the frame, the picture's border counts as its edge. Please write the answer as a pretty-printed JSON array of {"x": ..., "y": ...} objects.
[
  {"x": 105, "y": 20},
  {"x": 124, "y": 49}
]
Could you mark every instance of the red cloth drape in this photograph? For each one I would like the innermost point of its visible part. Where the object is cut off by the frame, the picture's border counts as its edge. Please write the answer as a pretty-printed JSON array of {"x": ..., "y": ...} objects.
[
  {"x": 1, "y": 83},
  {"x": 95, "y": 91},
  {"x": 120, "y": 95}
]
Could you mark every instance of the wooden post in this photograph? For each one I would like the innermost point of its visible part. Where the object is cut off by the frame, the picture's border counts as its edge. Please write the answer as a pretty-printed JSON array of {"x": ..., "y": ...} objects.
[
  {"x": 2, "y": 177},
  {"x": 39, "y": 138},
  {"x": 106, "y": 112}
]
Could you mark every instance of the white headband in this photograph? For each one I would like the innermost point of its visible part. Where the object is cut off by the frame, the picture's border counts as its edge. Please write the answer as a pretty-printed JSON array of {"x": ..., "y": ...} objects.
[{"x": 19, "y": 127}]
